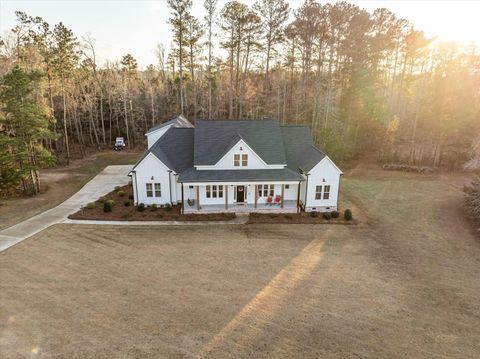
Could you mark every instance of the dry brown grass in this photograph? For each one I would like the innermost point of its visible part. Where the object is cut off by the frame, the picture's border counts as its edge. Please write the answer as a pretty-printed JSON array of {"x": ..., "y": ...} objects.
[
  {"x": 60, "y": 183},
  {"x": 402, "y": 284}
]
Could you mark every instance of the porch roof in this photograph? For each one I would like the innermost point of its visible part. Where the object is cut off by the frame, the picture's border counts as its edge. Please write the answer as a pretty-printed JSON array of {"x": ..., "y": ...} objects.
[{"x": 194, "y": 175}]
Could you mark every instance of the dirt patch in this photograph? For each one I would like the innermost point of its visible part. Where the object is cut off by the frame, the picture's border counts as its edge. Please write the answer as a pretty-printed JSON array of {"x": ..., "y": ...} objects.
[
  {"x": 123, "y": 212},
  {"x": 298, "y": 218},
  {"x": 59, "y": 183}
]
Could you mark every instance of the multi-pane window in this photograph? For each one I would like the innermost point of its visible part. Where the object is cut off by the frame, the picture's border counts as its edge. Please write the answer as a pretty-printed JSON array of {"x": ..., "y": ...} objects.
[
  {"x": 326, "y": 192},
  {"x": 149, "y": 190},
  {"x": 318, "y": 192},
  {"x": 158, "y": 189},
  {"x": 214, "y": 191},
  {"x": 236, "y": 160},
  {"x": 244, "y": 160},
  {"x": 266, "y": 190}
]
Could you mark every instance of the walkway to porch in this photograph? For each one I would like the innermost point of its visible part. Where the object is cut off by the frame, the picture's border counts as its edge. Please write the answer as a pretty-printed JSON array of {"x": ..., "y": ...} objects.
[{"x": 288, "y": 207}]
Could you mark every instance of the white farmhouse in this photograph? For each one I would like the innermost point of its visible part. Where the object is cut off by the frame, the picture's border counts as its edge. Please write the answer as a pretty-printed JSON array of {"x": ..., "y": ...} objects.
[{"x": 235, "y": 165}]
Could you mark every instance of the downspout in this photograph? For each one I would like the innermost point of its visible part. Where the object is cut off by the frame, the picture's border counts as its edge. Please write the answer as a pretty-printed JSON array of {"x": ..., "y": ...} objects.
[
  {"x": 306, "y": 193},
  {"x": 183, "y": 202},
  {"x": 136, "y": 186},
  {"x": 170, "y": 185}
]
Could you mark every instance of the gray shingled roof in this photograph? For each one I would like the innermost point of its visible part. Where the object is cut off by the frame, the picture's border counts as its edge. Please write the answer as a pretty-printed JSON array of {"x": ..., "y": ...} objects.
[
  {"x": 178, "y": 121},
  {"x": 193, "y": 175},
  {"x": 214, "y": 138},
  {"x": 299, "y": 148},
  {"x": 174, "y": 149},
  {"x": 178, "y": 148}
]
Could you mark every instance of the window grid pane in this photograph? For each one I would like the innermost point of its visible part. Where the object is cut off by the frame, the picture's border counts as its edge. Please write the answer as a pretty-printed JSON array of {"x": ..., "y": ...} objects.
[
  {"x": 220, "y": 191},
  {"x": 208, "y": 192},
  {"x": 318, "y": 192},
  {"x": 272, "y": 190},
  {"x": 158, "y": 190},
  {"x": 236, "y": 160},
  {"x": 326, "y": 192},
  {"x": 265, "y": 190},
  {"x": 244, "y": 160},
  {"x": 149, "y": 190}
]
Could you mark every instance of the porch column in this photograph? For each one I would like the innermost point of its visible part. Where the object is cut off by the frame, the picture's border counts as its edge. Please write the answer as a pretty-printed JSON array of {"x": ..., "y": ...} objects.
[
  {"x": 298, "y": 198},
  {"x": 256, "y": 195},
  {"x": 283, "y": 193},
  {"x": 225, "y": 191},
  {"x": 198, "y": 198}
]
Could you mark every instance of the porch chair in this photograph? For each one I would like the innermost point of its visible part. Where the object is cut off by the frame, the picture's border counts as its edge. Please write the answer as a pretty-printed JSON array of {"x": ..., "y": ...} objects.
[
  {"x": 269, "y": 200},
  {"x": 278, "y": 199}
]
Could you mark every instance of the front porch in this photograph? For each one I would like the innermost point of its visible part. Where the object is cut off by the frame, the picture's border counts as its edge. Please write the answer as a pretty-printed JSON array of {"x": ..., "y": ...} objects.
[
  {"x": 289, "y": 206},
  {"x": 276, "y": 196}
]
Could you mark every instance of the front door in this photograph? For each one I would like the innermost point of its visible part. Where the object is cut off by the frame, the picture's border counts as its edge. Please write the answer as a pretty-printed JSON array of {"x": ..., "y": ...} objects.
[{"x": 240, "y": 194}]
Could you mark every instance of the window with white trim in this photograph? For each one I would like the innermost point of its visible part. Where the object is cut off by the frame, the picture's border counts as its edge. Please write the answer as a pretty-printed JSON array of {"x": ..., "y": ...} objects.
[
  {"x": 236, "y": 160},
  {"x": 149, "y": 190},
  {"x": 158, "y": 189},
  {"x": 214, "y": 191},
  {"x": 318, "y": 192},
  {"x": 326, "y": 192},
  {"x": 244, "y": 160},
  {"x": 266, "y": 190}
]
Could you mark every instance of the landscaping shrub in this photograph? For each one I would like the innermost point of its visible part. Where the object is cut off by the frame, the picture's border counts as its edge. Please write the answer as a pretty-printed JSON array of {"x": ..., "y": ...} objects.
[
  {"x": 168, "y": 207},
  {"x": 108, "y": 206},
  {"x": 314, "y": 214},
  {"x": 130, "y": 196},
  {"x": 154, "y": 207},
  {"x": 141, "y": 207},
  {"x": 102, "y": 199},
  {"x": 335, "y": 214},
  {"x": 117, "y": 188},
  {"x": 121, "y": 193},
  {"x": 327, "y": 215},
  {"x": 91, "y": 205},
  {"x": 348, "y": 215},
  {"x": 126, "y": 203}
]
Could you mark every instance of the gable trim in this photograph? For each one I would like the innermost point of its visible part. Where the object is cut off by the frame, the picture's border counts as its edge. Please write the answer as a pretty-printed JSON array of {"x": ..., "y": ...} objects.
[
  {"x": 331, "y": 162},
  {"x": 245, "y": 144},
  {"x": 155, "y": 157}
]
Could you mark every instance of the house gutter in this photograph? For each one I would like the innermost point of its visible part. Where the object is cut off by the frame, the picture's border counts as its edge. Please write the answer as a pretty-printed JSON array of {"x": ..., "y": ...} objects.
[
  {"x": 136, "y": 186},
  {"x": 306, "y": 192},
  {"x": 170, "y": 185}
]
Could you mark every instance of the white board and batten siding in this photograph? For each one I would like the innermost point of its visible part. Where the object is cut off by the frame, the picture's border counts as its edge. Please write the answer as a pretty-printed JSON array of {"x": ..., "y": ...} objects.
[
  {"x": 240, "y": 148},
  {"x": 325, "y": 173},
  {"x": 152, "y": 170}
]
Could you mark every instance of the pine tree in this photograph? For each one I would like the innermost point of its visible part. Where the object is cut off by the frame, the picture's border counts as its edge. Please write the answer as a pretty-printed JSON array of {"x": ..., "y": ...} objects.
[{"x": 24, "y": 124}]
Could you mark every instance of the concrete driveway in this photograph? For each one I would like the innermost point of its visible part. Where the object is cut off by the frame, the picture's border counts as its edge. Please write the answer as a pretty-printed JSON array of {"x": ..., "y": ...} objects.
[{"x": 101, "y": 184}]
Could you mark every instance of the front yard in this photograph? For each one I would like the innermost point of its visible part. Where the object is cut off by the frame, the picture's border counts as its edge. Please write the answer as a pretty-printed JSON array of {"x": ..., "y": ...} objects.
[{"x": 401, "y": 284}]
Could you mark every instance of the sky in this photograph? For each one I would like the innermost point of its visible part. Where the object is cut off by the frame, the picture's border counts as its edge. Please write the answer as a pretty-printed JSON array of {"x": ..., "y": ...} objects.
[{"x": 119, "y": 27}]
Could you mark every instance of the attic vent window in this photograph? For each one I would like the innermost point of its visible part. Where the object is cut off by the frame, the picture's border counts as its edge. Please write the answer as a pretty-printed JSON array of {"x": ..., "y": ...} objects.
[{"x": 241, "y": 149}]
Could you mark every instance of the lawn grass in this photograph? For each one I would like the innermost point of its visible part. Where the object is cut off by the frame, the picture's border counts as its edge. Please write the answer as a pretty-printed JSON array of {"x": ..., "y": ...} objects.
[
  {"x": 60, "y": 183},
  {"x": 403, "y": 283}
]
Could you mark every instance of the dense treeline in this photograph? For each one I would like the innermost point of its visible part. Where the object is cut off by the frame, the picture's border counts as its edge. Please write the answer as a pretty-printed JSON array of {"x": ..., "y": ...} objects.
[{"x": 362, "y": 81}]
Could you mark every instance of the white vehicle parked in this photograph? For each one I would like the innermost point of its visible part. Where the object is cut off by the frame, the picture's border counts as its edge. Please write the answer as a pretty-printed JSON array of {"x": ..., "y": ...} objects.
[{"x": 119, "y": 144}]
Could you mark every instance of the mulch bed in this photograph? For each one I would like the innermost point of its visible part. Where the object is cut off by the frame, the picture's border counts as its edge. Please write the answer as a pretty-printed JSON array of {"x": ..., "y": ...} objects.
[
  {"x": 130, "y": 213},
  {"x": 294, "y": 218}
]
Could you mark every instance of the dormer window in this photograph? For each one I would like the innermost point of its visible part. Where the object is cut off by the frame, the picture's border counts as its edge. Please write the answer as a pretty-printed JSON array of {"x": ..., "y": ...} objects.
[{"x": 244, "y": 160}]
